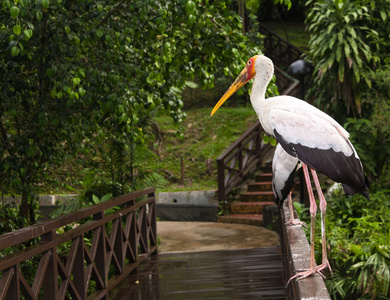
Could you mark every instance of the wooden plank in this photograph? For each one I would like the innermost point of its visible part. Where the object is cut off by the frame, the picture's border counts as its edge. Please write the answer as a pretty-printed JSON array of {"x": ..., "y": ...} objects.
[{"x": 235, "y": 274}]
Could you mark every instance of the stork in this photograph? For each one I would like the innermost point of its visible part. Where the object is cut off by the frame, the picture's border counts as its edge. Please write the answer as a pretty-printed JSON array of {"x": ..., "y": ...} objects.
[
  {"x": 284, "y": 167},
  {"x": 308, "y": 134}
]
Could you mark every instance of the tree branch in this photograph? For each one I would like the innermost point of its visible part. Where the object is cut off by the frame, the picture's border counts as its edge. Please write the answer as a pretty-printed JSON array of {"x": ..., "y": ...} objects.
[{"x": 3, "y": 131}]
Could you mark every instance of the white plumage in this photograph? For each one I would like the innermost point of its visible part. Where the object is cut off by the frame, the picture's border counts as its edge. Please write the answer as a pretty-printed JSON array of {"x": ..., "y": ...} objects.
[
  {"x": 284, "y": 167},
  {"x": 283, "y": 170}
]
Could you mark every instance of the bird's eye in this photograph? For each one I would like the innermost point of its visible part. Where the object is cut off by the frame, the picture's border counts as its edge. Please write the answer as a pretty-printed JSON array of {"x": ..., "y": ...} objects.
[{"x": 249, "y": 62}]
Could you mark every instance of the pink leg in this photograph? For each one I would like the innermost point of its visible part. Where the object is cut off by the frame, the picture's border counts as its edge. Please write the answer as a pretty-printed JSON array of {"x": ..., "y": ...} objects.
[
  {"x": 313, "y": 210},
  {"x": 325, "y": 263},
  {"x": 290, "y": 208}
]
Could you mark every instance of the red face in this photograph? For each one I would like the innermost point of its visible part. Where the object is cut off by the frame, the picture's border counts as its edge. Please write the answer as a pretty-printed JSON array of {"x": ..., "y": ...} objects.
[
  {"x": 246, "y": 74},
  {"x": 250, "y": 67}
]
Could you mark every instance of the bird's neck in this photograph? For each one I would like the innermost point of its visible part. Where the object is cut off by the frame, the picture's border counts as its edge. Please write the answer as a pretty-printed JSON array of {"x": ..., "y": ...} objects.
[{"x": 259, "y": 88}]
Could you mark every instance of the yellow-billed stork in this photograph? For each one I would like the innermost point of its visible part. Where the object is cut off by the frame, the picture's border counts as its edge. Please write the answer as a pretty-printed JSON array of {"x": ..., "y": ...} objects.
[{"x": 307, "y": 133}]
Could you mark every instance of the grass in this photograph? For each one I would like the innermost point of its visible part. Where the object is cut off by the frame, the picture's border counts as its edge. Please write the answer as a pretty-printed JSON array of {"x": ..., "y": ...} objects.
[{"x": 205, "y": 138}]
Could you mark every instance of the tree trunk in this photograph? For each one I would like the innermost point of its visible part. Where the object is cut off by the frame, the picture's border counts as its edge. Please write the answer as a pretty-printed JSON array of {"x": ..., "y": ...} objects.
[{"x": 25, "y": 209}]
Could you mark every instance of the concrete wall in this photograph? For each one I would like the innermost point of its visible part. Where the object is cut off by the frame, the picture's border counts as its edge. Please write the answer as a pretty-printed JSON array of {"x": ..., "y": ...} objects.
[
  {"x": 187, "y": 206},
  {"x": 43, "y": 199},
  {"x": 170, "y": 206}
]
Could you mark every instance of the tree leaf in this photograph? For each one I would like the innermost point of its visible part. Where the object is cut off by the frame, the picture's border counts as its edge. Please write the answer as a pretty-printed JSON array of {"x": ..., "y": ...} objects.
[
  {"x": 17, "y": 29},
  {"x": 106, "y": 197},
  {"x": 347, "y": 50},
  {"x": 28, "y": 34},
  {"x": 45, "y": 3},
  {"x": 356, "y": 73},
  {"x": 383, "y": 15},
  {"x": 15, "y": 51},
  {"x": 191, "y": 84},
  {"x": 38, "y": 15},
  {"x": 341, "y": 72},
  {"x": 14, "y": 12},
  {"x": 338, "y": 52},
  {"x": 351, "y": 31},
  {"x": 95, "y": 199}
]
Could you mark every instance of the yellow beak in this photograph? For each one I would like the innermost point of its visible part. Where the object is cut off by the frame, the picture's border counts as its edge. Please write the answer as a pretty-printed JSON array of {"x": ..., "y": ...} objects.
[
  {"x": 247, "y": 74},
  {"x": 236, "y": 85}
]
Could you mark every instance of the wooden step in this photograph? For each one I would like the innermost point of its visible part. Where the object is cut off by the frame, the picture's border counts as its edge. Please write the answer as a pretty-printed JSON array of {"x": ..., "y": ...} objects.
[
  {"x": 251, "y": 219},
  {"x": 262, "y": 196},
  {"x": 249, "y": 207},
  {"x": 260, "y": 186},
  {"x": 267, "y": 169},
  {"x": 261, "y": 177}
]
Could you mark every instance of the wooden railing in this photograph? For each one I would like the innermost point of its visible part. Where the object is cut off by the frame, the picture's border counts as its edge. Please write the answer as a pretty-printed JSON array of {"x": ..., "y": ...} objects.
[
  {"x": 286, "y": 84},
  {"x": 278, "y": 49},
  {"x": 243, "y": 156},
  {"x": 100, "y": 252}
]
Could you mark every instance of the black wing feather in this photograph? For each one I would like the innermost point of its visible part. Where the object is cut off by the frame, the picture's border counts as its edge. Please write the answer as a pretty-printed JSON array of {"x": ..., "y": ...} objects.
[{"x": 335, "y": 165}]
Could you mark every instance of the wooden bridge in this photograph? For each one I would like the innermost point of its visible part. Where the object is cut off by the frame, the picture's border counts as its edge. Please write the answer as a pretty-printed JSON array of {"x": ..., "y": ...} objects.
[{"x": 109, "y": 251}]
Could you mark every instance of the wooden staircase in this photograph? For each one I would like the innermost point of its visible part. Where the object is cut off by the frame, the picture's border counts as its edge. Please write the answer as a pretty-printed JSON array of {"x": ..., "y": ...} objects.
[{"x": 249, "y": 208}]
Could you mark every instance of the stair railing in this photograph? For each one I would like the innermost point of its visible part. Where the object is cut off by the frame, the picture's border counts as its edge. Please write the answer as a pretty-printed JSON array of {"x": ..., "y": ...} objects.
[
  {"x": 278, "y": 49},
  {"x": 243, "y": 156}
]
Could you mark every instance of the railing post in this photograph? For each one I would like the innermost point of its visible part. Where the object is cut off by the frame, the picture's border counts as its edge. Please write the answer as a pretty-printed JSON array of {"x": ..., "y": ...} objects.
[
  {"x": 78, "y": 269},
  {"x": 101, "y": 249},
  {"x": 240, "y": 166},
  {"x": 258, "y": 141},
  {"x": 144, "y": 230},
  {"x": 153, "y": 221},
  {"x": 9, "y": 284},
  {"x": 50, "y": 281},
  {"x": 221, "y": 180}
]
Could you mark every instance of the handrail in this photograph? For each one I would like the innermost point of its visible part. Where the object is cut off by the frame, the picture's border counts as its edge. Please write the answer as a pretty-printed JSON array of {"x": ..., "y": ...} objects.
[
  {"x": 102, "y": 251},
  {"x": 278, "y": 49},
  {"x": 239, "y": 159}
]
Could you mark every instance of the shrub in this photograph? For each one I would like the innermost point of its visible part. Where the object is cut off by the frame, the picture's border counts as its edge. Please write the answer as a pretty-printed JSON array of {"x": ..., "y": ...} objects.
[{"x": 358, "y": 238}]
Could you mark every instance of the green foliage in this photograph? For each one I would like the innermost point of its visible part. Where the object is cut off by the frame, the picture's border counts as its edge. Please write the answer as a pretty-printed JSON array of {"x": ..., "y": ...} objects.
[
  {"x": 10, "y": 219},
  {"x": 76, "y": 75},
  {"x": 358, "y": 236},
  {"x": 343, "y": 48},
  {"x": 371, "y": 133},
  {"x": 288, "y": 3},
  {"x": 349, "y": 42}
]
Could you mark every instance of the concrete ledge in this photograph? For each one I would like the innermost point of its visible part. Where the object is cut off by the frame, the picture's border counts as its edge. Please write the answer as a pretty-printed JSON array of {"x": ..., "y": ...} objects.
[
  {"x": 43, "y": 199},
  {"x": 187, "y": 197},
  {"x": 297, "y": 253},
  {"x": 186, "y": 212},
  {"x": 199, "y": 206}
]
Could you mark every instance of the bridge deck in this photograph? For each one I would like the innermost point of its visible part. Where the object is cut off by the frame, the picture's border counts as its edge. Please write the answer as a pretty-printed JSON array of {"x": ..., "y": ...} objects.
[{"x": 230, "y": 274}]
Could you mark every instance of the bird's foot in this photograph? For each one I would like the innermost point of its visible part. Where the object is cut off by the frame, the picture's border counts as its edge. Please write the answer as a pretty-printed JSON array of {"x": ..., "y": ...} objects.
[
  {"x": 293, "y": 223},
  {"x": 323, "y": 266},
  {"x": 304, "y": 274}
]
